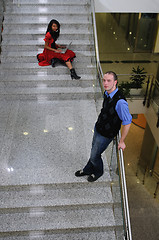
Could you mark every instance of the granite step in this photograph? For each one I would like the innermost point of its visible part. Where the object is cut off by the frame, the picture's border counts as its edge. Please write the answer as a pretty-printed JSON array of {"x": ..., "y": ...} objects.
[
  {"x": 35, "y": 69},
  {"x": 40, "y": 28},
  {"x": 45, "y": 80},
  {"x": 40, "y": 47},
  {"x": 47, "y": 2},
  {"x": 84, "y": 54},
  {"x": 14, "y": 58},
  {"x": 59, "y": 218},
  {"x": 39, "y": 38},
  {"x": 29, "y": 19},
  {"x": 48, "y": 93},
  {"x": 40, "y": 9},
  {"x": 34, "y": 45},
  {"x": 73, "y": 194},
  {"x": 80, "y": 234},
  {"x": 47, "y": 15}
]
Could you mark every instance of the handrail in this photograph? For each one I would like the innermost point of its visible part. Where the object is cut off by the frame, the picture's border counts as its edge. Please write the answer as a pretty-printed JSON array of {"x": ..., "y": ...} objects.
[
  {"x": 99, "y": 68},
  {"x": 128, "y": 234},
  {"x": 127, "y": 227}
]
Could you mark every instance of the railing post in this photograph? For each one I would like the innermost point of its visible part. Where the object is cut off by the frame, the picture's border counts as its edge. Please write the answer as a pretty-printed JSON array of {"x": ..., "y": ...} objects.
[
  {"x": 155, "y": 193},
  {"x": 157, "y": 125},
  {"x": 146, "y": 93},
  {"x": 150, "y": 91}
]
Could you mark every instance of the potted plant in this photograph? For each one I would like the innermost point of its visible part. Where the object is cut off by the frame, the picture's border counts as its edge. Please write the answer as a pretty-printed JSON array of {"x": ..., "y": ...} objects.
[
  {"x": 124, "y": 88},
  {"x": 137, "y": 78},
  {"x": 133, "y": 87}
]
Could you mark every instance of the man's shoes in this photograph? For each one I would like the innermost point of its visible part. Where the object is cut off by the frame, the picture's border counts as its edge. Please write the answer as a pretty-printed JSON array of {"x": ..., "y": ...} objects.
[
  {"x": 92, "y": 178},
  {"x": 80, "y": 173}
]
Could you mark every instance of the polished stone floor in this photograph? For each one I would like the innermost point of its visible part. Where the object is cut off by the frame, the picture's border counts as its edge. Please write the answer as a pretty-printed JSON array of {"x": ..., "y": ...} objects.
[{"x": 46, "y": 141}]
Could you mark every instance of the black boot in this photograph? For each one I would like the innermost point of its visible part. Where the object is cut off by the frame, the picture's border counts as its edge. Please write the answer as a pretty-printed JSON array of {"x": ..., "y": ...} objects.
[
  {"x": 73, "y": 74},
  {"x": 54, "y": 61}
]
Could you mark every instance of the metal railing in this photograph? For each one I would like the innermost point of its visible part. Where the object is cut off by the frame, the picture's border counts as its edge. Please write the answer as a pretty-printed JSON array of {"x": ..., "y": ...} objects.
[
  {"x": 2, "y": 9},
  {"x": 121, "y": 167},
  {"x": 99, "y": 68},
  {"x": 155, "y": 99},
  {"x": 126, "y": 215}
]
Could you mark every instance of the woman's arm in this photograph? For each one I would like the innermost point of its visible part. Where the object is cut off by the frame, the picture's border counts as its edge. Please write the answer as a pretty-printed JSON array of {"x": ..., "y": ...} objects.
[
  {"x": 51, "y": 49},
  {"x": 60, "y": 46}
]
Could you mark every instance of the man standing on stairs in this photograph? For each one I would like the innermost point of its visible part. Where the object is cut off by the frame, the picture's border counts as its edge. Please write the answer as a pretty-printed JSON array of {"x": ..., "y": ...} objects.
[{"x": 114, "y": 112}]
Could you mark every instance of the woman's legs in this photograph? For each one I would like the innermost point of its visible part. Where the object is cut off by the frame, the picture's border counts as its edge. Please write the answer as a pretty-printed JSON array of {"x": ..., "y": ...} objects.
[
  {"x": 72, "y": 70},
  {"x": 69, "y": 65}
]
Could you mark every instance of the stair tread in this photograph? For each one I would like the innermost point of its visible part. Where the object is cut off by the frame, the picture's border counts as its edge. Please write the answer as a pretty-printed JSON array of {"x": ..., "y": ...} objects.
[
  {"x": 50, "y": 9},
  {"x": 74, "y": 29},
  {"x": 41, "y": 41},
  {"x": 71, "y": 19},
  {"x": 73, "y": 218},
  {"x": 55, "y": 195},
  {"x": 43, "y": 76},
  {"x": 48, "y": 2},
  {"x": 44, "y": 89},
  {"x": 80, "y": 234},
  {"x": 34, "y": 53},
  {"x": 35, "y": 65}
]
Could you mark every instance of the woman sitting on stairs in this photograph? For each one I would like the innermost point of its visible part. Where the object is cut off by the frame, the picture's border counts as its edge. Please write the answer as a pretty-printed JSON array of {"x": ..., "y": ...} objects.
[{"x": 52, "y": 51}]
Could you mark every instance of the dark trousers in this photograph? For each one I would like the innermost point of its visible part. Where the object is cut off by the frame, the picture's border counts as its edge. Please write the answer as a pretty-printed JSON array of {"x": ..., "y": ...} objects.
[{"x": 95, "y": 163}]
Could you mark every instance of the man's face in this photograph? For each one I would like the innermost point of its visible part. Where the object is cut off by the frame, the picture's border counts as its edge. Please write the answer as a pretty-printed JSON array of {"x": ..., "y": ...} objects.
[{"x": 109, "y": 83}]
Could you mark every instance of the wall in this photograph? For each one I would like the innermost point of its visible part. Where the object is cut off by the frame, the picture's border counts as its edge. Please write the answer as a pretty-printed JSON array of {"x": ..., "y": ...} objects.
[
  {"x": 156, "y": 49},
  {"x": 148, "y": 150},
  {"x": 127, "y": 6}
]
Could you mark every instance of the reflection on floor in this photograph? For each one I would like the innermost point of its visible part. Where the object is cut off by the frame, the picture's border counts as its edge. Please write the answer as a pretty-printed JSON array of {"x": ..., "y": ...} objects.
[{"x": 144, "y": 209}]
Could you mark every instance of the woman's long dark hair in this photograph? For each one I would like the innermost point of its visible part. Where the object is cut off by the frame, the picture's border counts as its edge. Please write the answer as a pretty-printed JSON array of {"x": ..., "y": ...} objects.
[{"x": 56, "y": 34}]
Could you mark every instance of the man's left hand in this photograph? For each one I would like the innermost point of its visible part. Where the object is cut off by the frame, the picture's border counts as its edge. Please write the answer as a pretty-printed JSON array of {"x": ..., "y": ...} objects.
[{"x": 121, "y": 145}]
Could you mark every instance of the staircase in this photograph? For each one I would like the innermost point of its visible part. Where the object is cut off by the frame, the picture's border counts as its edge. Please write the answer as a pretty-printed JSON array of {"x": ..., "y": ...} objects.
[
  {"x": 25, "y": 25},
  {"x": 40, "y": 198}
]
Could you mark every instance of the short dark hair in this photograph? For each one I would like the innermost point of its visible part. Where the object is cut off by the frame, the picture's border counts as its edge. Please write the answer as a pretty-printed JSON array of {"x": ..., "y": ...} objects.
[{"x": 113, "y": 73}]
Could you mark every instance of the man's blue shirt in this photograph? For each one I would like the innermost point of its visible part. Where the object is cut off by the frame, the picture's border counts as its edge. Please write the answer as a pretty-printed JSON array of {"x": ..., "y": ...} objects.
[{"x": 122, "y": 109}]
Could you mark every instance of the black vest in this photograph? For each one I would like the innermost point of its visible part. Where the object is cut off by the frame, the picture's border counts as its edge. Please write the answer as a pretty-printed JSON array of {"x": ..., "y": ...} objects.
[{"x": 109, "y": 123}]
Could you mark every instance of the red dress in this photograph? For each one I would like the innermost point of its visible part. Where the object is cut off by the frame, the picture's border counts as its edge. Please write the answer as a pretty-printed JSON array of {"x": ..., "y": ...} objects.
[{"x": 45, "y": 57}]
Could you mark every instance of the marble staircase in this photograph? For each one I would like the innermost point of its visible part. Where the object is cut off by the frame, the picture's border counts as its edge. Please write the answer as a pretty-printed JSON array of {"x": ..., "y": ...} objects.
[
  {"x": 46, "y": 128},
  {"x": 24, "y": 26}
]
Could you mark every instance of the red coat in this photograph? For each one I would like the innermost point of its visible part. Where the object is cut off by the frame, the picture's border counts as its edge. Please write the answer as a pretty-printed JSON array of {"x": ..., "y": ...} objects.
[{"x": 45, "y": 57}]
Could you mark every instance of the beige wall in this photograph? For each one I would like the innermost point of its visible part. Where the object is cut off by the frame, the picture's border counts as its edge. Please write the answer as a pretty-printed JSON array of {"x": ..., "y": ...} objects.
[
  {"x": 127, "y": 6},
  {"x": 156, "y": 167},
  {"x": 156, "y": 49},
  {"x": 147, "y": 150}
]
